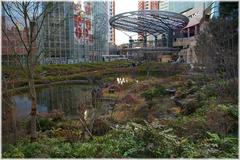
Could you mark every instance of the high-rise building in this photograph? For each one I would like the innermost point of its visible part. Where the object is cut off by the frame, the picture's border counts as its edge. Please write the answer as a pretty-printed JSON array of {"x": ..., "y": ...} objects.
[
  {"x": 72, "y": 32},
  {"x": 13, "y": 39},
  {"x": 163, "y": 5},
  {"x": 147, "y": 5},
  {"x": 154, "y": 4},
  {"x": 81, "y": 37},
  {"x": 111, "y": 13},
  {"x": 58, "y": 34},
  {"x": 100, "y": 30}
]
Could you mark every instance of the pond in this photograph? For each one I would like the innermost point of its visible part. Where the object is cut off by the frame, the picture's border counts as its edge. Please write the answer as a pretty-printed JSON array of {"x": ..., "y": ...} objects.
[
  {"x": 66, "y": 98},
  {"x": 69, "y": 98}
]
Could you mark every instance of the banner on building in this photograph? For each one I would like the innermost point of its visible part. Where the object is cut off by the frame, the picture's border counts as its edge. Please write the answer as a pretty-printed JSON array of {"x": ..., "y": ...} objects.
[{"x": 83, "y": 23}]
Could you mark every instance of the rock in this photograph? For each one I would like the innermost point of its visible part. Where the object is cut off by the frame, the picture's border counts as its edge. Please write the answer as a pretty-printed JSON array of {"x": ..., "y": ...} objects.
[
  {"x": 170, "y": 90},
  {"x": 177, "y": 101}
]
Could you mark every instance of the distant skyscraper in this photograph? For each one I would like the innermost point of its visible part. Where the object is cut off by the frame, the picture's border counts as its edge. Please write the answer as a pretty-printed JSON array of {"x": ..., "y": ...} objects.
[
  {"x": 72, "y": 32},
  {"x": 147, "y": 5},
  {"x": 154, "y": 4},
  {"x": 13, "y": 39},
  {"x": 100, "y": 30},
  {"x": 81, "y": 37},
  {"x": 111, "y": 13},
  {"x": 163, "y": 5}
]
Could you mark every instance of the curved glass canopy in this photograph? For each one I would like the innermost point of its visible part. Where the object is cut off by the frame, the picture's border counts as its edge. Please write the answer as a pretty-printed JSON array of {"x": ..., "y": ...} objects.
[{"x": 149, "y": 21}]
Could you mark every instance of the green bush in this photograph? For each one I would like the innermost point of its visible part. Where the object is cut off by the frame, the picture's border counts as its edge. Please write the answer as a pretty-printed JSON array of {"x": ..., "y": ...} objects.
[
  {"x": 130, "y": 141},
  {"x": 32, "y": 149},
  {"x": 232, "y": 110},
  {"x": 13, "y": 153},
  {"x": 45, "y": 124},
  {"x": 85, "y": 150},
  {"x": 154, "y": 92},
  {"x": 62, "y": 150}
]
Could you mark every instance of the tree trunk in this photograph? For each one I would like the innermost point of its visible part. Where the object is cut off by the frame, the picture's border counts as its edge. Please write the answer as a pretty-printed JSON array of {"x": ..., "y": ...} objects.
[
  {"x": 14, "y": 124},
  {"x": 33, "y": 110}
]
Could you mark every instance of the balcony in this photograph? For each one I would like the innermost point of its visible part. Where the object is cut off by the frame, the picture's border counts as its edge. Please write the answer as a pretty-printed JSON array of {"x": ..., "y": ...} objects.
[{"x": 184, "y": 41}]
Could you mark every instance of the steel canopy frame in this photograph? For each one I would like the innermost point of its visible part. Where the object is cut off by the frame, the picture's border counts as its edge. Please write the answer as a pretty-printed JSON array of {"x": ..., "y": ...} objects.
[{"x": 149, "y": 21}]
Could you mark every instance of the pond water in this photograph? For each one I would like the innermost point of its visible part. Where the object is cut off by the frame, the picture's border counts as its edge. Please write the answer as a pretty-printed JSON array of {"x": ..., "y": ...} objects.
[
  {"x": 70, "y": 99},
  {"x": 66, "y": 98}
]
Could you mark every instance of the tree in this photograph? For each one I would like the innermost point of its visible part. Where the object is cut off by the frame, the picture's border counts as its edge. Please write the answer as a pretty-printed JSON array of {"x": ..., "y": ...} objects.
[
  {"x": 26, "y": 20},
  {"x": 217, "y": 46}
]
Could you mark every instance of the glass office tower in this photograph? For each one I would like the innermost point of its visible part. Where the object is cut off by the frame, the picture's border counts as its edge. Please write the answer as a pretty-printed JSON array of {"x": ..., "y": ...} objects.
[
  {"x": 75, "y": 32},
  {"x": 100, "y": 30}
]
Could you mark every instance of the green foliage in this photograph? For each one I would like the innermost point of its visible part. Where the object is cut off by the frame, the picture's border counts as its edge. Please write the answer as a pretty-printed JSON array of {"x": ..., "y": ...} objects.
[
  {"x": 45, "y": 124},
  {"x": 84, "y": 150},
  {"x": 154, "y": 92},
  {"x": 63, "y": 150},
  {"x": 95, "y": 71},
  {"x": 230, "y": 109},
  {"x": 13, "y": 153},
  {"x": 216, "y": 146},
  {"x": 118, "y": 144},
  {"x": 32, "y": 149},
  {"x": 130, "y": 141},
  {"x": 143, "y": 140}
]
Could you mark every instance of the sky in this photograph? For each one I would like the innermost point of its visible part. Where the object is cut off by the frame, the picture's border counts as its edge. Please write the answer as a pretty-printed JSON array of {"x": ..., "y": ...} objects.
[{"x": 124, "y": 6}]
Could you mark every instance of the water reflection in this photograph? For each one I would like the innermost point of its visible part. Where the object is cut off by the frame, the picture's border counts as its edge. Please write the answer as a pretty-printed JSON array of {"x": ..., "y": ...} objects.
[
  {"x": 73, "y": 100},
  {"x": 66, "y": 98}
]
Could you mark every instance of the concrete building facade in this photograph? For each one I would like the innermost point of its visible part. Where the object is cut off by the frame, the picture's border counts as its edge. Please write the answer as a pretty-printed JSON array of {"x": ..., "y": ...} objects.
[{"x": 186, "y": 38}]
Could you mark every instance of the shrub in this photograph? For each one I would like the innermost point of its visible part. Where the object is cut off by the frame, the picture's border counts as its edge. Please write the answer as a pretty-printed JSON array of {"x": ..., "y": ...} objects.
[
  {"x": 13, "y": 153},
  {"x": 154, "y": 92},
  {"x": 220, "y": 147},
  {"x": 130, "y": 141},
  {"x": 45, "y": 124},
  {"x": 32, "y": 150},
  {"x": 62, "y": 150},
  {"x": 84, "y": 150},
  {"x": 220, "y": 122}
]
